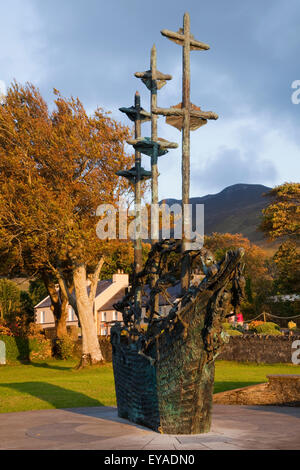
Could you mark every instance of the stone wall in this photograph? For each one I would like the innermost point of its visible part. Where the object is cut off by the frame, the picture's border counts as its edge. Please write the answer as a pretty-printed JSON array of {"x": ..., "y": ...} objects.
[
  {"x": 280, "y": 390},
  {"x": 246, "y": 348},
  {"x": 259, "y": 349},
  {"x": 72, "y": 330}
]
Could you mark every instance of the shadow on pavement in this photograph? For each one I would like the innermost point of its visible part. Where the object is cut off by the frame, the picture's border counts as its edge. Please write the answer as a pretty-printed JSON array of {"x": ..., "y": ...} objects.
[
  {"x": 108, "y": 413},
  {"x": 289, "y": 410}
]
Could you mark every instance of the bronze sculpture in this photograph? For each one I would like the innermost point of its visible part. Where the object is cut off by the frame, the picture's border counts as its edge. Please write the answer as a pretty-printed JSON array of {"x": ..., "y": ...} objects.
[{"x": 164, "y": 371}]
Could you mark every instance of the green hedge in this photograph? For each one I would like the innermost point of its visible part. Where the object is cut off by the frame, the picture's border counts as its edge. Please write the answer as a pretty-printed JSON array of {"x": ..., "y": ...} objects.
[
  {"x": 231, "y": 330},
  {"x": 268, "y": 328},
  {"x": 20, "y": 349}
]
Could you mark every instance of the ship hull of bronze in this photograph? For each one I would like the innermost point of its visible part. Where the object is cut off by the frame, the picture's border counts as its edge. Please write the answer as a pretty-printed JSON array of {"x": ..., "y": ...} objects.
[
  {"x": 172, "y": 396},
  {"x": 167, "y": 385}
]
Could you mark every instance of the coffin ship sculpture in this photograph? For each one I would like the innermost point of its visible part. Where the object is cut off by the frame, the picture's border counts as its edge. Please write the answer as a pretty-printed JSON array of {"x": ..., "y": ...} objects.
[
  {"x": 164, "y": 363},
  {"x": 164, "y": 376}
]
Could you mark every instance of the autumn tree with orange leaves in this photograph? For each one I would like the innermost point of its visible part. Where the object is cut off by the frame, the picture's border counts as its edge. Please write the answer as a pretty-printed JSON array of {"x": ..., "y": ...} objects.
[
  {"x": 257, "y": 274},
  {"x": 56, "y": 168},
  {"x": 281, "y": 221},
  {"x": 281, "y": 218}
]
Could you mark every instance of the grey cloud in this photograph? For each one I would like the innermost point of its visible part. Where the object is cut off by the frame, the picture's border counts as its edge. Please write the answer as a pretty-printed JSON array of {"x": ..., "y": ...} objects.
[
  {"x": 229, "y": 167},
  {"x": 94, "y": 47},
  {"x": 91, "y": 49}
]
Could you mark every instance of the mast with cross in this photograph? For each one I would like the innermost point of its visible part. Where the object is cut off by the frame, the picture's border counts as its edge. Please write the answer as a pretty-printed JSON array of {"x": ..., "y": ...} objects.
[
  {"x": 136, "y": 175},
  {"x": 154, "y": 147},
  {"x": 186, "y": 117}
]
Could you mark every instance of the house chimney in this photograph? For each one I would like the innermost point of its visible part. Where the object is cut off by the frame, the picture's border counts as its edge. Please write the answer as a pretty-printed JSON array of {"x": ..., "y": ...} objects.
[{"x": 121, "y": 278}]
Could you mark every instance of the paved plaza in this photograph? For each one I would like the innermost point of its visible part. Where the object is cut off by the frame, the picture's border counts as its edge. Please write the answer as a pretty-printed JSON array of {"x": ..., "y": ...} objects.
[{"x": 234, "y": 428}]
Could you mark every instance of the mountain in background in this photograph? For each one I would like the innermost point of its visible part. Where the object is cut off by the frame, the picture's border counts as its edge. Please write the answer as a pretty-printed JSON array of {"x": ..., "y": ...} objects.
[{"x": 236, "y": 209}]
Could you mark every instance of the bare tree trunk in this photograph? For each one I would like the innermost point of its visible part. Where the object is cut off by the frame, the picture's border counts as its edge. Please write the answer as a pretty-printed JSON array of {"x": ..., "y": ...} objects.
[
  {"x": 83, "y": 305},
  {"x": 61, "y": 323},
  {"x": 91, "y": 352},
  {"x": 58, "y": 305}
]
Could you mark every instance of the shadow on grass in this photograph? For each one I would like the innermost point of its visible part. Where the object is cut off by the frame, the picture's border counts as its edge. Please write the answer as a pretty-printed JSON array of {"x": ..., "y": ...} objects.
[
  {"x": 56, "y": 396},
  {"x": 23, "y": 349},
  {"x": 44, "y": 365},
  {"x": 224, "y": 386}
]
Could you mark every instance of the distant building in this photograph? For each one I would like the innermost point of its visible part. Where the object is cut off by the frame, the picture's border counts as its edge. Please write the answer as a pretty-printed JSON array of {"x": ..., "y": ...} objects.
[{"x": 108, "y": 292}]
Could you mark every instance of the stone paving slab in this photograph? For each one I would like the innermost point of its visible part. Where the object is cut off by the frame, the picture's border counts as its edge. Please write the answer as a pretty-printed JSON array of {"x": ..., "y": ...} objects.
[{"x": 233, "y": 428}]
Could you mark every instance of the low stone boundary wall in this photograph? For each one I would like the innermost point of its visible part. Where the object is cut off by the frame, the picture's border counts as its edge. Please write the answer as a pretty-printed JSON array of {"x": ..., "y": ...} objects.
[
  {"x": 280, "y": 390},
  {"x": 246, "y": 348},
  {"x": 259, "y": 349},
  {"x": 50, "y": 333}
]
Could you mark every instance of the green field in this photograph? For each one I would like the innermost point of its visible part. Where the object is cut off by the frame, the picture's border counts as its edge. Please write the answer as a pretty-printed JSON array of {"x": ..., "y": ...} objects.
[{"x": 56, "y": 384}]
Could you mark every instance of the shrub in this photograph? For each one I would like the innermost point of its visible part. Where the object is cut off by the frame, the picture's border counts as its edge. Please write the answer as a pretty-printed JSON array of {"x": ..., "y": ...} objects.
[
  {"x": 106, "y": 349},
  {"x": 226, "y": 326},
  {"x": 64, "y": 347},
  {"x": 4, "y": 329},
  {"x": 268, "y": 328},
  {"x": 231, "y": 330},
  {"x": 292, "y": 325},
  {"x": 254, "y": 324},
  {"x": 35, "y": 331},
  {"x": 18, "y": 325},
  {"x": 19, "y": 349},
  {"x": 40, "y": 348}
]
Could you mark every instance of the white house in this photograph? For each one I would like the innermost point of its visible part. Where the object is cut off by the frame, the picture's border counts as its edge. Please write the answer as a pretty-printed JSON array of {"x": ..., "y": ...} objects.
[{"x": 108, "y": 293}]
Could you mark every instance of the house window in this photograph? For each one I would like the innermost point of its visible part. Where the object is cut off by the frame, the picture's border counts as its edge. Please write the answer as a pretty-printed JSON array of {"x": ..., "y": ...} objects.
[
  {"x": 43, "y": 317},
  {"x": 115, "y": 316},
  {"x": 104, "y": 332},
  {"x": 71, "y": 314},
  {"x": 104, "y": 316}
]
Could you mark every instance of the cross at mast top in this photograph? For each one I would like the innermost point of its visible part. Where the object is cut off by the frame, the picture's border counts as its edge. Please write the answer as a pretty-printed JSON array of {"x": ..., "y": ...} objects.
[{"x": 185, "y": 117}]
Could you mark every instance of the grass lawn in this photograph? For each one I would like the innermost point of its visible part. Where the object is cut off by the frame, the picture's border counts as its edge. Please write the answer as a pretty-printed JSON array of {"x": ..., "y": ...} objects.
[{"x": 55, "y": 384}]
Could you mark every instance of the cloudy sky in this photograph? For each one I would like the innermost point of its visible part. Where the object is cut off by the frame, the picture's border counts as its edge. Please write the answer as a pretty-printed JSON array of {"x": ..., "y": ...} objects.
[{"x": 91, "y": 49}]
